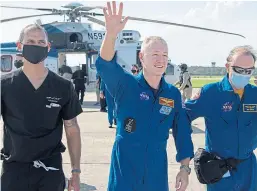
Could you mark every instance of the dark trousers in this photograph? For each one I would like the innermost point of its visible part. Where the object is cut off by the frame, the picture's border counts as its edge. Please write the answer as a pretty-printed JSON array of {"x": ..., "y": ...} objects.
[
  {"x": 25, "y": 177},
  {"x": 81, "y": 92},
  {"x": 103, "y": 104}
]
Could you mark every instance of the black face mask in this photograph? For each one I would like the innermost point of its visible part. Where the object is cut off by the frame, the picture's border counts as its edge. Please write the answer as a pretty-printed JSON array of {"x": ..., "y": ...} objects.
[
  {"x": 18, "y": 63},
  {"x": 34, "y": 54},
  {"x": 134, "y": 71}
]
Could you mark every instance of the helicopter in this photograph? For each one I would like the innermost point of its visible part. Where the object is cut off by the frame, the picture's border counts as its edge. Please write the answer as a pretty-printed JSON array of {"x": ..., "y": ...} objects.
[{"x": 72, "y": 36}]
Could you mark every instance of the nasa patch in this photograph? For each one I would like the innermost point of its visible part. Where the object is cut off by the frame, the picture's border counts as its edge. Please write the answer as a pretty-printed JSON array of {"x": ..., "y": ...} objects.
[
  {"x": 228, "y": 106},
  {"x": 144, "y": 96},
  {"x": 130, "y": 125}
]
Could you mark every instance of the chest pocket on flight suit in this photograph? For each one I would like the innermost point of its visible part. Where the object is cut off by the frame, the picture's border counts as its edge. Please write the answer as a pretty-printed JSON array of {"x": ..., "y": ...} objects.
[
  {"x": 249, "y": 114},
  {"x": 249, "y": 119},
  {"x": 52, "y": 108},
  {"x": 227, "y": 123},
  {"x": 166, "y": 114},
  {"x": 228, "y": 112}
]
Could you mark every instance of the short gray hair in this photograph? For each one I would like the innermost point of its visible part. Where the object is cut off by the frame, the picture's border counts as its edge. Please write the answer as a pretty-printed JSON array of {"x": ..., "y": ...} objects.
[
  {"x": 150, "y": 39},
  {"x": 30, "y": 27},
  {"x": 239, "y": 50}
]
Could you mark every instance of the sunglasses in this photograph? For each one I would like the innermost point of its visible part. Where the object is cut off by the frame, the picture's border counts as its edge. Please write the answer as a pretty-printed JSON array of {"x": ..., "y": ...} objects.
[{"x": 243, "y": 71}]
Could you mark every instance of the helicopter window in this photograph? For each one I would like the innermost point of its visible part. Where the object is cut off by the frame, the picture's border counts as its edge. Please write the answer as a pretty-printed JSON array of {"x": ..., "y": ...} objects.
[
  {"x": 75, "y": 37},
  {"x": 6, "y": 63},
  {"x": 170, "y": 70},
  {"x": 127, "y": 34}
]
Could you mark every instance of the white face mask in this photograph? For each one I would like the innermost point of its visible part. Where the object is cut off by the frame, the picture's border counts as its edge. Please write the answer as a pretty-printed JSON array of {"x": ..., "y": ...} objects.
[{"x": 239, "y": 81}]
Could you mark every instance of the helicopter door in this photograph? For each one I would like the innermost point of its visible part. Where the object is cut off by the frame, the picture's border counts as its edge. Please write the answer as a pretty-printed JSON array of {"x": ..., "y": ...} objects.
[
  {"x": 90, "y": 68},
  {"x": 6, "y": 64}
]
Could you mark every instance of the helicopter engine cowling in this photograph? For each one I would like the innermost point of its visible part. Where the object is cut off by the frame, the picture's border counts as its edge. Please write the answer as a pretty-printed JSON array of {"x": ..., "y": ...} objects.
[{"x": 70, "y": 40}]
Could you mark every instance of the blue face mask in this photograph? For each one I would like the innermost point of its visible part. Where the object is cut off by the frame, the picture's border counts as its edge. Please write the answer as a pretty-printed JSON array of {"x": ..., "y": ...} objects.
[{"x": 239, "y": 81}]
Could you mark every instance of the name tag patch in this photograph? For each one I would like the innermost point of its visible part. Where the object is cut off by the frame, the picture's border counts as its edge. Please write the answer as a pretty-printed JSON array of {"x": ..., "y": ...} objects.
[
  {"x": 249, "y": 107},
  {"x": 165, "y": 110}
]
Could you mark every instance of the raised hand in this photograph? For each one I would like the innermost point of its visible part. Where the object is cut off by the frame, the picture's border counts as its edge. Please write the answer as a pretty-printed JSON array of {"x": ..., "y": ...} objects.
[{"x": 114, "y": 22}]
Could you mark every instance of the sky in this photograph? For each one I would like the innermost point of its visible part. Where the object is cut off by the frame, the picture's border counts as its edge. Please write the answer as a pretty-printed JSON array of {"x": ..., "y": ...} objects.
[{"x": 191, "y": 46}]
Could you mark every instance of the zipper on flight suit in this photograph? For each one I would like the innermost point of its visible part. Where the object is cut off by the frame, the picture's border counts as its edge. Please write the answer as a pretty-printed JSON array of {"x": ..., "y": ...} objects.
[
  {"x": 154, "y": 102},
  {"x": 238, "y": 113},
  {"x": 143, "y": 180}
]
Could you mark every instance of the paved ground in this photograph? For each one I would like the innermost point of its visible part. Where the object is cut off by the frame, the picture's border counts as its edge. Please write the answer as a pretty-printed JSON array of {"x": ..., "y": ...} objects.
[{"x": 97, "y": 141}]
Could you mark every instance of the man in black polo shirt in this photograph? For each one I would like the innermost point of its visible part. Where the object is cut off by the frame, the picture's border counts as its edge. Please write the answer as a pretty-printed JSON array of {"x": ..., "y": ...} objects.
[{"x": 35, "y": 102}]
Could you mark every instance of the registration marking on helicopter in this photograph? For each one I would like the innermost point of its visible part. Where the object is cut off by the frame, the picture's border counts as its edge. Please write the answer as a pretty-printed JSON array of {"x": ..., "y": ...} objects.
[{"x": 96, "y": 35}]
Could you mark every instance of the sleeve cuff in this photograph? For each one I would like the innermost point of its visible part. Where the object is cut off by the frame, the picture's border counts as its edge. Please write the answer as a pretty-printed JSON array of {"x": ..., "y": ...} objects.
[
  {"x": 180, "y": 157},
  {"x": 101, "y": 60},
  {"x": 74, "y": 115}
]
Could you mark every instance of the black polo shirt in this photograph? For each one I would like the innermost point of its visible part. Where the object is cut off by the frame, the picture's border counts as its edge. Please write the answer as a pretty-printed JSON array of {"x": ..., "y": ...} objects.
[{"x": 33, "y": 118}]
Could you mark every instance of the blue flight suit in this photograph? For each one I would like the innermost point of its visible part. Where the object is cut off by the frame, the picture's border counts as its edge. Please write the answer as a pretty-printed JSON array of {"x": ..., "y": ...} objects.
[
  {"x": 139, "y": 156},
  {"x": 110, "y": 103},
  {"x": 231, "y": 130}
]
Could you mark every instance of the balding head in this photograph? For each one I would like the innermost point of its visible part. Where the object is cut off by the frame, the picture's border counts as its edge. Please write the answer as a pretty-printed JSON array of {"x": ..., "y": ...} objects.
[
  {"x": 240, "y": 66},
  {"x": 239, "y": 51},
  {"x": 34, "y": 38},
  {"x": 33, "y": 34},
  {"x": 151, "y": 40},
  {"x": 31, "y": 27}
]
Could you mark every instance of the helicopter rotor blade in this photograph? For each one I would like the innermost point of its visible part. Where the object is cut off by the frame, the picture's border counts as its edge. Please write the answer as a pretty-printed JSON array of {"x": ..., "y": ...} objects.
[
  {"x": 92, "y": 19},
  {"x": 87, "y": 8},
  {"x": 182, "y": 25},
  {"x": 23, "y": 17},
  {"x": 39, "y": 9},
  {"x": 170, "y": 23}
]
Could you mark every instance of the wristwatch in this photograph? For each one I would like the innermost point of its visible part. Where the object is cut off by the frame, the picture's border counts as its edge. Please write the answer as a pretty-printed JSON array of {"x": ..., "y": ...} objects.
[
  {"x": 186, "y": 168},
  {"x": 76, "y": 171}
]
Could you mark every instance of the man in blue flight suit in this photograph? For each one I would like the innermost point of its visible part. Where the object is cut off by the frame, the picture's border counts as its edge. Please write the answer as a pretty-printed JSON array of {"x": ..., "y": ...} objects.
[
  {"x": 229, "y": 108},
  {"x": 147, "y": 108},
  {"x": 110, "y": 104}
]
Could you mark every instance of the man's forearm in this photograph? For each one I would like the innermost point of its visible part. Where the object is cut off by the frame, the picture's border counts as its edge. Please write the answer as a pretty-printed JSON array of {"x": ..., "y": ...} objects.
[
  {"x": 185, "y": 162},
  {"x": 73, "y": 142},
  {"x": 74, "y": 146},
  {"x": 108, "y": 47}
]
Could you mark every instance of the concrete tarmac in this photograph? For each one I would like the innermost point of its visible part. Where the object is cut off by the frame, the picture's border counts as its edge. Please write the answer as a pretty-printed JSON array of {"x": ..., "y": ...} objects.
[{"x": 97, "y": 142}]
